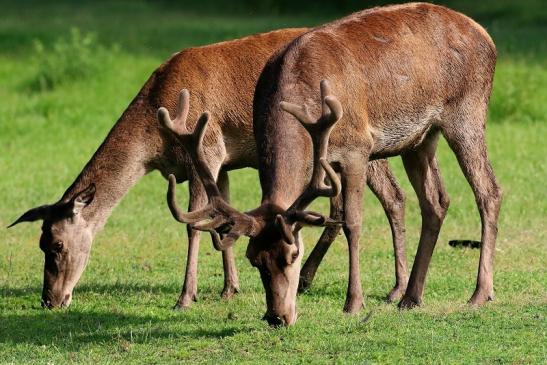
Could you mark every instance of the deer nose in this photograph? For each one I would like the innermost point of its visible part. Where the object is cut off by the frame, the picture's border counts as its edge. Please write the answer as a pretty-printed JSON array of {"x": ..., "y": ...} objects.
[
  {"x": 46, "y": 304},
  {"x": 273, "y": 320},
  {"x": 66, "y": 301}
]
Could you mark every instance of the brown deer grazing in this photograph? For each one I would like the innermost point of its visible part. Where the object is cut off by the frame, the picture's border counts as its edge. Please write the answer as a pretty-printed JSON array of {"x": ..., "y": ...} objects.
[
  {"x": 404, "y": 75},
  {"x": 137, "y": 144}
]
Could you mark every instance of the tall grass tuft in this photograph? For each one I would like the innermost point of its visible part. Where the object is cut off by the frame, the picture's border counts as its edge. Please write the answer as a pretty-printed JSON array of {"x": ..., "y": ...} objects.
[{"x": 77, "y": 56}]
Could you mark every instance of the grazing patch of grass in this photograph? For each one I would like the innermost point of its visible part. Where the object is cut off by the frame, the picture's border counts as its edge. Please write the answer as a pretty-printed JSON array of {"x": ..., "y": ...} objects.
[{"x": 121, "y": 310}]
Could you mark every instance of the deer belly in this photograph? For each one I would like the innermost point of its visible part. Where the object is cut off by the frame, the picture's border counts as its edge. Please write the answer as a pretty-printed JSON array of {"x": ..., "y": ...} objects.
[{"x": 398, "y": 135}]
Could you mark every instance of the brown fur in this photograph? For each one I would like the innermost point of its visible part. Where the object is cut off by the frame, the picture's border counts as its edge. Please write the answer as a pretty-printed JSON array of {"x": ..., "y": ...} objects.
[
  {"x": 221, "y": 78},
  {"x": 403, "y": 74}
]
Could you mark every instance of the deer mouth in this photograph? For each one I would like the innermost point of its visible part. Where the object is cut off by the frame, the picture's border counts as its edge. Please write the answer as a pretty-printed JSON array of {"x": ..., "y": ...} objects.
[{"x": 49, "y": 304}]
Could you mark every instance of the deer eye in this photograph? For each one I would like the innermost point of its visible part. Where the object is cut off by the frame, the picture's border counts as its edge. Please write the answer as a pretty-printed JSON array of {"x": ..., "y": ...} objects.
[
  {"x": 255, "y": 261},
  {"x": 57, "y": 246},
  {"x": 265, "y": 273}
]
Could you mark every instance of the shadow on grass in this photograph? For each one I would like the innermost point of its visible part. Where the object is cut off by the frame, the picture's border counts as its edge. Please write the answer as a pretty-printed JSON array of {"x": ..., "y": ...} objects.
[
  {"x": 114, "y": 292},
  {"x": 108, "y": 288},
  {"x": 189, "y": 23},
  {"x": 74, "y": 329}
]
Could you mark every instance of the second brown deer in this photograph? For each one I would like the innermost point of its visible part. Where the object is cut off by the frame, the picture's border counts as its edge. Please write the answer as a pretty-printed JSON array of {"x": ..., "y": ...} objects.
[
  {"x": 404, "y": 75},
  {"x": 137, "y": 144}
]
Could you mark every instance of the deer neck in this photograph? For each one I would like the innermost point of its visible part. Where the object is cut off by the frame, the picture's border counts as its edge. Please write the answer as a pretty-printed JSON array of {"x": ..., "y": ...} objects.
[
  {"x": 285, "y": 159},
  {"x": 121, "y": 160}
]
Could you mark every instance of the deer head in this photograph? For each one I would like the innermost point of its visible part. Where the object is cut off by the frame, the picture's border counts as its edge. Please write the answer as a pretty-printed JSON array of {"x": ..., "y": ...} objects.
[
  {"x": 66, "y": 242},
  {"x": 275, "y": 248}
]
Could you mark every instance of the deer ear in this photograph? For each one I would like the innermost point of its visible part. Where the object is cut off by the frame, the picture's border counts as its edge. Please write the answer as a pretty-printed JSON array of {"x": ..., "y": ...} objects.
[
  {"x": 285, "y": 229},
  {"x": 33, "y": 215},
  {"x": 83, "y": 199}
]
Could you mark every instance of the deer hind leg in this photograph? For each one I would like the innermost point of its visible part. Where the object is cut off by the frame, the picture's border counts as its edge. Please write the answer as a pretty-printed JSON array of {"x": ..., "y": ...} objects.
[
  {"x": 382, "y": 182},
  {"x": 327, "y": 238},
  {"x": 467, "y": 140},
  {"x": 231, "y": 280},
  {"x": 423, "y": 172},
  {"x": 198, "y": 199},
  {"x": 353, "y": 181}
]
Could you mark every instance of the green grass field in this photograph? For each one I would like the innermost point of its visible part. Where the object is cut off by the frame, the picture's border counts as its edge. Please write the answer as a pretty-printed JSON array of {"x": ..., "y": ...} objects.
[{"x": 62, "y": 90}]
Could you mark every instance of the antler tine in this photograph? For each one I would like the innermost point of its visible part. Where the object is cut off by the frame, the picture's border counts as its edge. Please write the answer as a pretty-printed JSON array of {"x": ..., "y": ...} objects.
[
  {"x": 194, "y": 147},
  {"x": 217, "y": 215},
  {"x": 191, "y": 141},
  {"x": 177, "y": 212},
  {"x": 220, "y": 243},
  {"x": 331, "y": 110},
  {"x": 183, "y": 107},
  {"x": 206, "y": 219},
  {"x": 319, "y": 132},
  {"x": 300, "y": 112},
  {"x": 335, "y": 186},
  {"x": 178, "y": 125},
  {"x": 326, "y": 93}
]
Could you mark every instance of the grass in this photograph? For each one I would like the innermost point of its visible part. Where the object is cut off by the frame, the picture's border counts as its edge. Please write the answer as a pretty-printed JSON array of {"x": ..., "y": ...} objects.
[{"x": 121, "y": 310}]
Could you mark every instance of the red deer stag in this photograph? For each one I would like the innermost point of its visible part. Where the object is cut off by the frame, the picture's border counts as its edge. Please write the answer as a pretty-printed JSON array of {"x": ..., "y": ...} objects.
[
  {"x": 137, "y": 145},
  {"x": 226, "y": 224},
  {"x": 404, "y": 74}
]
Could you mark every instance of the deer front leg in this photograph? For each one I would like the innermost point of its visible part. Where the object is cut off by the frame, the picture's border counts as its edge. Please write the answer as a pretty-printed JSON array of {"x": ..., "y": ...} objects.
[
  {"x": 231, "y": 280},
  {"x": 198, "y": 199},
  {"x": 353, "y": 181},
  {"x": 327, "y": 238},
  {"x": 381, "y": 181}
]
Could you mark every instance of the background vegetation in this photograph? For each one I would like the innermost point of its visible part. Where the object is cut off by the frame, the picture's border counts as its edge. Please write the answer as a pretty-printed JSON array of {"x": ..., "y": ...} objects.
[{"x": 68, "y": 70}]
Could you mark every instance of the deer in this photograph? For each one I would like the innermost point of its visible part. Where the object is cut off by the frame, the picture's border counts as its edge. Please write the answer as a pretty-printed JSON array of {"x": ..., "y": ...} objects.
[
  {"x": 404, "y": 75},
  {"x": 137, "y": 144}
]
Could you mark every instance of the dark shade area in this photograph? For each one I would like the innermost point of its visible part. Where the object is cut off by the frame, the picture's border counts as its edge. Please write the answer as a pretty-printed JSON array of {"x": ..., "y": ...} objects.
[{"x": 159, "y": 28}]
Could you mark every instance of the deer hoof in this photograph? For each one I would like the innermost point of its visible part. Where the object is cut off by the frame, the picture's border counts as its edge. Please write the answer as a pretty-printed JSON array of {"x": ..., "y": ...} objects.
[
  {"x": 409, "y": 302},
  {"x": 185, "y": 301},
  {"x": 396, "y": 293},
  {"x": 303, "y": 285},
  {"x": 480, "y": 297},
  {"x": 229, "y": 291},
  {"x": 353, "y": 306}
]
